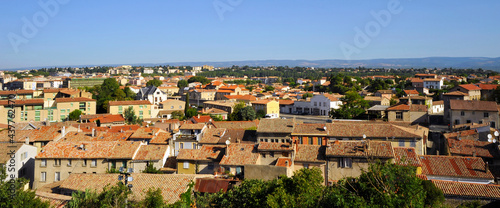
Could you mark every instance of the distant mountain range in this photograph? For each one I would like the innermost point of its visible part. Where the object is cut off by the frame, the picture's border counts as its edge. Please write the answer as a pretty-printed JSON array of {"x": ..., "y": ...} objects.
[{"x": 430, "y": 62}]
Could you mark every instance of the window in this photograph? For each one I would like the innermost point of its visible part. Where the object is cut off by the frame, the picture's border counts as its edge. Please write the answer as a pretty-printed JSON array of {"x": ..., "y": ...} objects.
[
  {"x": 345, "y": 162},
  {"x": 181, "y": 145},
  {"x": 84, "y": 163},
  {"x": 300, "y": 140},
  {"x": 315, "y": 104},
  {"x": 57, "y": 162},
  {"x": 320, "y": 141},
  {"x": 468, "y": 121},
  {"x": 171, "y": 107},
  {"x": 37, "y": 115},
  {"x": 399, "y": 115},
  {"x": 93, "y": 163},
  {"x": 24, "y": 155},
  {"x": 69, "y": 162},
  {"x": 486, "y": 115},
  {"x": 63, "y": 111},
  {"x": 263, "y": 155},
  {"x": 413, "y": 143},
  {"x": 457, "y": 122},
  {"x": 180, "y": 106},
  {"x": 186, "y": 165},
  {"x": 401, "y": 142},
  {"x": 310, "y": 140},
  {"x": 57, "y": 176},
  {"x": 492, "y": 124},
  {"x": 43, "y": 163},
  {"x": 238, "y": 170},
  {"x": 462, "y": 113},
  {"x": 43, "y": 176},
  {"x": 306, "y": 166}
]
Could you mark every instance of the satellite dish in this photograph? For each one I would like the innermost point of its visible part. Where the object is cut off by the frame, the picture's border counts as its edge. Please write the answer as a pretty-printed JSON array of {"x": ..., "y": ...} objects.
[
  {"x": 494, "y": 141},
  {"x": 489, "y": 136},
  {"x": 490, "y": 140},
  {"x": 364, "y": 136},
  {"x": 228, "y": 142},
  {"x": 496, "y": 133}
]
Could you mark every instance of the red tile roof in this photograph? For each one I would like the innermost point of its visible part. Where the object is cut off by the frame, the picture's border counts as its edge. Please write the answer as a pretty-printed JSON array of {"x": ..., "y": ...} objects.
[
  {"x": 201, "y": 119},
  {"x": 411, "y": 92},
  {"x": 469, "y": 87},
  {"x": 371, "y": 130},
  {"x": 471, "y": 105},
  {"x": 310, "y": 153},
  {"x": 456, "y": 93},
  {"x": 236, "y": 124},
  {"x": 78, "y": 99},
  {"x": 130, "y": 102},
  {"x": 454, "y": 166},
  {"x": 406, "y": 156},
  {"x": 468, "y": 190},
  {"x": 212, "y": 135},
  {"x": 487, "y": 86},
  {"x": 91, "y": 150},
  {"x": 240, "y": 154},
  {"x": 151, "y": 152},
  {"x": 22, "y": 102},
  {"x": 188, "y": 126},
  {"x": 282, "y": 162},
  {"x": 311, "y": 129},
  {"x": 379, "y": 149},
  {"x": 286, "y": 102},
  {"x": 467, "y": 147},
  {"x": 205, "y": 153},
  {"x": 274, "y": 146},
  {"x": 109, "y": 119}
]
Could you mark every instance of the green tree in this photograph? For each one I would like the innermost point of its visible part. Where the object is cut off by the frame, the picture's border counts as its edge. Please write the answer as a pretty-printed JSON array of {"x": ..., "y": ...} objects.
[
  {"x": 12, "y": 193},
  {"x": 182, "y": 83},
  {"x": 216, "y": 117},
  {"x": 378, "y": 84},
  {"x": 151, "y": 169},
  {"x": 268, "y": 88},
  {"x": 352, "y": 106},
  {"x": 201, "y": 79},
  {"x": 178, "y": 115},
  {"x": 153, "y": 199},
  {"x": 130, "y": 95},
  {"x": 186, "y": 104},
  {"x": 110, "y": 196},
  {"x": 306, "y": 95},
  {"x": 261, "y": 114},
  {"x": 129, "y": 115},
  {"x": 234, "y": 116},
  {"x": 75, "y": 115},
  {"x": 191, "y": 112},
  {"x": 247, "y": 114},
  {"x": 154, "y": 82}
]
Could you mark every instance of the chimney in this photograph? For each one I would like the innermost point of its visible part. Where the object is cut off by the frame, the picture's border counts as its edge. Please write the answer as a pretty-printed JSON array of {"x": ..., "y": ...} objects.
[
  {"x": 27, "y": 140},
  {"x": 474, "y": 153},
  {"x": 486, "y": 167},
  {"x": 63, "y": 131},
  {"x": 93, "y": 132},
  {"x": 437, "y": 152}
]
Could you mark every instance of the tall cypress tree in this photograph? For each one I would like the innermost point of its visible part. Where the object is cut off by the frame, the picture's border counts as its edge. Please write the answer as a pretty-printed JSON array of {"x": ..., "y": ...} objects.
[{"x": 186, "y": 107}]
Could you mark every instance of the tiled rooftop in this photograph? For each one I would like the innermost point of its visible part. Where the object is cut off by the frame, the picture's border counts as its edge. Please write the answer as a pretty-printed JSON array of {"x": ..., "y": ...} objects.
[
  {"x": 454, "y": 166},
  {"x": 468, "y": 190},
  {"x": 151, "y": 152},
  {"x": 90, "y": 150},
  {"x": 310, "y": 153},
  {"x": 406, "y": 156},
  {"x": 274, "y": 146},
  {"x": 240, "y": 154},
  {"x": 378, "y": 149}
]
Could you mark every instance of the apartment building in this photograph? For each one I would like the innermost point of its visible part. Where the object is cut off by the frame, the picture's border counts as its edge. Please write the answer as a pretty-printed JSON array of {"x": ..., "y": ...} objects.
[{"x": 142, "y": 108}]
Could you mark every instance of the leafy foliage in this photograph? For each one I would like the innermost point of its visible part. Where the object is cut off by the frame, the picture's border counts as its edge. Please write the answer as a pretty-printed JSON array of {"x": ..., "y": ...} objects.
[
  {"x": 153, "y": 199},
  {"x": 129, "y": 115},
  {"x": 154, "y": 82},
  {"x": 190, "y": 112},
  {"x": 268, "y": 88},
  {"x": 201, "y": 79},
  {"x": 178, "y": 115},
  {"x": 75, "y": 115},
  {"x": 12, "y": 193},
  {"x": 353, "y": 106},
  {"x": 110, "y": 196},
  {"x": 242, "y": 113},
  {"x": 306, "y": 95},
  {"x": 108, "y": 91},
  {"x": 182, "y": 83},
  {"x": 234, "y": 116}
]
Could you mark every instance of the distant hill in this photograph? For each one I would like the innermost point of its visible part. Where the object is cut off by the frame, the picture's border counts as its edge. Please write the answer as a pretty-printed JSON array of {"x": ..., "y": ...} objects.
[{"x": 430, "y": 62}]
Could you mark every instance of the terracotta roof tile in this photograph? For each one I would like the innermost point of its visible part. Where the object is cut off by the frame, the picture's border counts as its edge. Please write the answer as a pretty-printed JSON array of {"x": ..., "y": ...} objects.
[
  {"x": 282, "y": 162},
  {"x": 198, "y": 126},
  {"x": 371, "y": 130},
  {"x": 274, "y": 146},
  {"x": 276, "y": 125},
  {"x": 201, "y": 119},
  {"x": 468, "y": 190},
  {"x": 478, "y": 105},
  {"x": 151, "y": 152},
  {"x": 469, "y": 147},
  {"x": 22, "y": 102},
  {"x": 130, "y": 102},
  {"x": 100, "y": 149},
  {"x": 310, "y": 153},
  {"x": 406, "y": 156},
  {"x": 109, "y": 118},
  {"x": 236, "y": 124},
  {"x": 311, "y": 129},
  {"x": 469, "y": 87},
  {"x": 240, "y": 154},
  {"x": 78, "y": 99},
  {"x": 379, "y": 149},
  {"x": 212, "y": 135},
  {"x": 454, "y": 166},
  {"x": 488, "y": 86}
]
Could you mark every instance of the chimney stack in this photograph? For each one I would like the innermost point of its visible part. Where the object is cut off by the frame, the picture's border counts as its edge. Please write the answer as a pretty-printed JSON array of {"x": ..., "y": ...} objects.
[
  {"x": 486, "y": 167},
  {"x": 63, "y": 131},
  {"x": 27, "y": 140},
  {"x": 93, "y": 132}
]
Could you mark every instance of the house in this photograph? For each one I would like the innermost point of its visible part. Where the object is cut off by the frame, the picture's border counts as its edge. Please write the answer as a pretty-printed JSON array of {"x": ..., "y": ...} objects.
[
  {"x": 270, "y": 152},
  {"x": 155, "y": 155},
  {"x": 109, "y": 120},
  {"x": 201, "y": 119},
  {"x": 142, "y": 108},
  {"x": 245, "y": 125},
  {"x": 224, "y": 105},
  {"x": 310, "y": 156},
  {"x": 407, "y": 156},
  {"x": 457, "y": 193},
  {"x": 456, "y": 168},
  {"x": 310, "y": 134},
  {"x": 455, "y": 95},
  {"x": 466, "y": 143},
  {"x": 322, "y": 104},
  {"x": 230, "y": 90},
  {"x": 60, "y": 159},
  {"x": 473, "y": 91},
  {"x": 172, "y": 186},
  {"x": 411, "y": 113},
  {"x": 18, "y": 159},
  {"x": 433, "y": 83},
  {"x": 204, "y": 160},
  {"x": 411, "y": 93},
  {"x": 201, "y": 95},
  {"x": 487, "y": 90},
  {"x": 437, "y": 107},
  {"x": 473, "y": 111},
  {"x": 426, "y": 76},
  {"x": 275, "y": 130},
  {"x": 375, "y": 100},
  {"x": 188, "y": 136},
  {"x": 214, "y": 112},
  {"x": 173, "y": 105},
  {"x": 270, "y": 107},
  {"x": 420, "y": 100},
  {"x": 152, "y": 94},
  {"x": 241, "y": 98},
  {"x": 349, "y": 158},
  {"x": 237, "y": 156},
  {"x": 286, "y": 106},
  {"x": 384, "y": 93}
]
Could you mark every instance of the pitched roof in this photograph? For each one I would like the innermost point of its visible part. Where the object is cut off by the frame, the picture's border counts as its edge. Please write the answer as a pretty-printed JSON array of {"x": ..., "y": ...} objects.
[
  {"x": 6, "y": 148},
  {"x": 205, "y": 153},
  {"x": 201, "y": 119},
  {"x": 161, "y": 138},
  {"x": 282, "y": 162},
  {"x": 130, "y": 102},
  {"x": 456, "y": 93},
  {"x": 276, "y": 125},
  {"x": 286, "y": 102},
  {"x": 469, "y": 87},
  {"x": 411, "y": 92},
  {"x": 406, "y": 156},
  {"x": 331, "y": 97},
  {"x": 151, "y": 152},
  {"x": 90, "y": 150},
  {"x": 454, "y": 166},
  {"x": 274, "y": 146},
  {"x": 212, "y": 135},
  {"x": 468, "y": 190},
  {"x": 487, "y": 86},
  {"x": 108, "y": 118},
  {"x": 22, "y": 102},
  {"x": 197, "y": 126},
  {"x": 236, "y": 124},
  {"x": 371, "y": 130},
  {"x": 310, "y": 129},
  {"x": 171, "y": 185},
  {"x": 467, "y": 147},
  {"x": 78, "y": 99},
  {"x": 379, "y": 149},
  {"x": 240, "y": 154},
  {"x": 310, "y": 153},
  {"x": 477, "y": 105}
]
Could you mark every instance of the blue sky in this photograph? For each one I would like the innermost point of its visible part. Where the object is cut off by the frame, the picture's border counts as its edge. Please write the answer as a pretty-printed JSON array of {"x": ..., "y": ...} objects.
[{"x": 127, "y": 32}]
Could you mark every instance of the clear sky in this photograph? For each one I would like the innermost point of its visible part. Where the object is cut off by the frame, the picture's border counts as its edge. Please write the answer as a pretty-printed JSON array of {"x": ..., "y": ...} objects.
[{"x": 103, "y": 32}]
